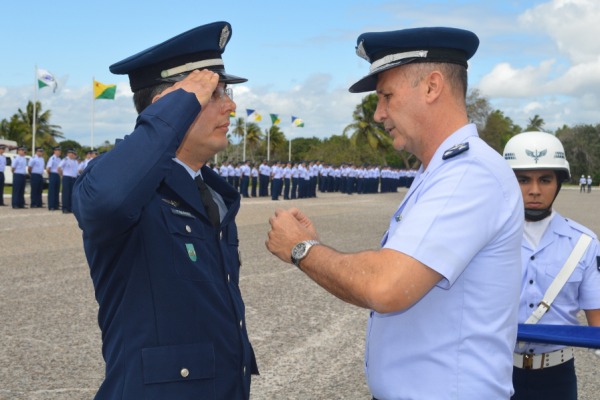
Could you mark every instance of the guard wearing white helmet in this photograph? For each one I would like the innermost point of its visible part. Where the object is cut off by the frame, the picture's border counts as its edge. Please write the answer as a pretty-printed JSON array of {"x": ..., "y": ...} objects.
[
  {"x": 548, "y": 371},
  {"x": 582, "y": 183}
]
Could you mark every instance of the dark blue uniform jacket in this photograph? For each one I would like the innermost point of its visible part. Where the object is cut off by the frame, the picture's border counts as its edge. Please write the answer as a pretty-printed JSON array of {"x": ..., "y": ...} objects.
[{"x": 166, "y": 281}]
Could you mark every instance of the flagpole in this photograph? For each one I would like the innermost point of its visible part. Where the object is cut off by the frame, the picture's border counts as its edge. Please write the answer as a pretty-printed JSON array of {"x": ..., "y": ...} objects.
[
  {"x": 245, "y": 131},
  {"x": 35, "y": 90},
  {"x": 93, "y": 101},
  {"x": 268, "y": 132}
]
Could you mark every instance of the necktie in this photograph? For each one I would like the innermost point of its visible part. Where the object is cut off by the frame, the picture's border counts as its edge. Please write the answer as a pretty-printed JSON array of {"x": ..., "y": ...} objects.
[{"x": 209, "y": 203}]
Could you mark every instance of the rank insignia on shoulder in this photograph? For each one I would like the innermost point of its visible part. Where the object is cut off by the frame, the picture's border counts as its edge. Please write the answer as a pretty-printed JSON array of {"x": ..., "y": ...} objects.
[
  {"x": 171, "y": 202},
  {"x": 455, "y": 150}
]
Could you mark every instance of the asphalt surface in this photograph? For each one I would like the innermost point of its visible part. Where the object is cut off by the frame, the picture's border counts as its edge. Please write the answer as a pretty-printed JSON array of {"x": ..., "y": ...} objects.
[{"x": 309, "y": 344}]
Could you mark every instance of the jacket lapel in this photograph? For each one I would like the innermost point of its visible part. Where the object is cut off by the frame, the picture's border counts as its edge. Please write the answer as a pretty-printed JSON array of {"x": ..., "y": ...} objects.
[{"x": 180, "y": 182}]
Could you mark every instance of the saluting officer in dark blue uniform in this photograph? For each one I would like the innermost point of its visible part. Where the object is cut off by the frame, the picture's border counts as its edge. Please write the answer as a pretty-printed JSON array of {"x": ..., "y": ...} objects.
[{"x": 160, "y": 236}]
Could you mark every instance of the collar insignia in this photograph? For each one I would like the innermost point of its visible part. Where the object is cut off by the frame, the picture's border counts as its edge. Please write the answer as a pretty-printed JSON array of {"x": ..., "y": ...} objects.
[
  {"x": 171, "y": 202},
  {"x": 182, "y": 213}
]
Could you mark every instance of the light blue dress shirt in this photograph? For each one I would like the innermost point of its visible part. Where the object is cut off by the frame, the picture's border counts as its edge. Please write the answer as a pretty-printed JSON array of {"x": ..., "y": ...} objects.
[
  {"x": 541, "y": 265},
  {"x": 462, "y": 217}
]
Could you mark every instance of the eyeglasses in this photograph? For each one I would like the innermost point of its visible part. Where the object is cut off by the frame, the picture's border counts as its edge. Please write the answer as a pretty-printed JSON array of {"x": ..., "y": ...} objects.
[{"x": 220, "y": 93}]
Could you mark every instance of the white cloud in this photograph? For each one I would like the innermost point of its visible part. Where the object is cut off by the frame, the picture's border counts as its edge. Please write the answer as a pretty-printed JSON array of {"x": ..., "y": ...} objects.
[{"x": 562, "y": 86}]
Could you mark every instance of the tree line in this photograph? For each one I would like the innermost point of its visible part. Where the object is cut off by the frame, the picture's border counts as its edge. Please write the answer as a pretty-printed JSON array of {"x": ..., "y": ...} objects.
[{"x": 364, "y": 141}]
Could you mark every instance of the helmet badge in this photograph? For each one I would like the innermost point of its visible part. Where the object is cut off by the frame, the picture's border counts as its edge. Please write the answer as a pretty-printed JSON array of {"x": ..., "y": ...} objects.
[{"x": 537, "y": 155}]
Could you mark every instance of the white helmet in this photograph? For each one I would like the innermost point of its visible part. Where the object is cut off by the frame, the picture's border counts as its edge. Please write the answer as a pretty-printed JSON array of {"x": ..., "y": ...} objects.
[{"x": 537, "y": 150}]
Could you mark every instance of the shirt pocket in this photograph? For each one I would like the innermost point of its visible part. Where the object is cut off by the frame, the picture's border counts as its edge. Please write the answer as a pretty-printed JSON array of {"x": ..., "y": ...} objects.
[
  {"x": 193, "y": 255},
  {"x": 569, "y": 293},
  {"x": 184, "y": 370}
]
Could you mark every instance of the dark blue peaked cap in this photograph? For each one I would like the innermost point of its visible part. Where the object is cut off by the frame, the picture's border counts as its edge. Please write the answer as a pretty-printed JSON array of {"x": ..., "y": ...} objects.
[
  {"x": 172, "y": 60},
  {"x": 386, "y": 50}
]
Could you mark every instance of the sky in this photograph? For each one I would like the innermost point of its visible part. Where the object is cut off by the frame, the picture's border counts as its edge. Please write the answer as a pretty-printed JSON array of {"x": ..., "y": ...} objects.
[{"x": 536, "y": 57}]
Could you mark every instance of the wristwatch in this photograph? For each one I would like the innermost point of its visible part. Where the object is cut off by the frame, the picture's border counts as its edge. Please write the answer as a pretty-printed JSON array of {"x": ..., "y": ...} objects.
[{"x": 301, "y": 250}]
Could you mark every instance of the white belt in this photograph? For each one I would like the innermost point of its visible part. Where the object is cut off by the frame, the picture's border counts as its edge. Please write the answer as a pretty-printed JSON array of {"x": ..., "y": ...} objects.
[{"x": 544, "y": 360}]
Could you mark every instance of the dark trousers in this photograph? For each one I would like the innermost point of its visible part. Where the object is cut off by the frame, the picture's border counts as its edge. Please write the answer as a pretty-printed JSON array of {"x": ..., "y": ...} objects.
[
  {"x": 18, "y": 196},
  {"x": 286, "y": 188},
  {"x": 2, "y": 188},
  {"x": 53, "y": 191},
  {"x": 37, "y": 185},
  {"x": 294, "y": 192},
  {"x": 554, "y": 383},
  {"x": 245, "y": 181},
  {"x": 254, "y": 184},
  {"x": 275, "y": 189},
  {"x": 263, "y": 189},
  {"x": 312, "y": 191},
  {"x": 67, "y": 191}
]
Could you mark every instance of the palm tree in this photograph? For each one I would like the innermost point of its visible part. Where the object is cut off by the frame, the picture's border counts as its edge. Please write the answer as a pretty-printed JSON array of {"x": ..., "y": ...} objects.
[
  {"x": 239, "y": 127},
  {"x": 254, "y": 137},
  {"x": 366, "y": 130},
  {"x": 19, "y": 127},
  {"x": 535, "y": 124}
]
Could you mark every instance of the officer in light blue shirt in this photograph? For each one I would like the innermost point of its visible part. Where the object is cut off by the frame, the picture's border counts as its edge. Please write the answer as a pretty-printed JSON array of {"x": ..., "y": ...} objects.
[
  {"x": 68, "y": 169},
  {"x": 53, "y": 179},
  {"x": 547, "y": 371},
  {"x": 19, "y": 170},
  {"x": 36, "y": 170},
  {"x": 443, "y": 289}
]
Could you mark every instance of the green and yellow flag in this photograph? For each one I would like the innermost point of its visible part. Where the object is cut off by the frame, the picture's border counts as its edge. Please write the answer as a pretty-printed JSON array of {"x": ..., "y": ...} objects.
[
  {"x": 275, "y": 119},
  {"x": 102, "y": 91}
]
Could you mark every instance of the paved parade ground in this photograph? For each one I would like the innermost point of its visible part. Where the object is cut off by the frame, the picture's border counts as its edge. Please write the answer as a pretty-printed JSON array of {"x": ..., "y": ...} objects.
[{"x": 308, "y": 344}]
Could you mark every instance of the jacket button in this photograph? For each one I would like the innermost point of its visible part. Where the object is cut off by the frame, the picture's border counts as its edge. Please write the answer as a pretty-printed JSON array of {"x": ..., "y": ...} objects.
[
  {"x": 221, "y": 235},
  {"x": 184, "y": 372},
  {"x": 188, "y": 229}
]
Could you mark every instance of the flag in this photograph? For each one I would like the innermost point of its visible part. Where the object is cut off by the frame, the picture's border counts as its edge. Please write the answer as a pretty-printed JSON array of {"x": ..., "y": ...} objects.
[
  {"x": 232, "y": 114},
  {"x": 298, "y": 122},
  {"x": 45, "y": 78},
  {"x": 102, "y": 91},
  {"x": 275, "y": 119},
  {"x": 253, "y": 115}
]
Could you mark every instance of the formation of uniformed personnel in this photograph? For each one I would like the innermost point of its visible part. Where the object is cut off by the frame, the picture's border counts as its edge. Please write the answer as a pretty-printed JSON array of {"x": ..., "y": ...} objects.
[
  {"x": 160, "y": 235},
  {"x": 437, "y": 301},
  {"x": 19, "y": 170},
  {"x": 36, "y": 170},
  {"x": 545, "y": 371}
]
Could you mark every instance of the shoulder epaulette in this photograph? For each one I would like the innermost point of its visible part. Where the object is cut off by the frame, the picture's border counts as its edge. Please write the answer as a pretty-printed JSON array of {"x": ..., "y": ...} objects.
[{"x": 455, "y": 150}]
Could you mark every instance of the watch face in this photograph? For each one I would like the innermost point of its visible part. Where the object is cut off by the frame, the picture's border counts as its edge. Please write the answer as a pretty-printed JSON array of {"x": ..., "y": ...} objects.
[{"x": 299, "y": 250}]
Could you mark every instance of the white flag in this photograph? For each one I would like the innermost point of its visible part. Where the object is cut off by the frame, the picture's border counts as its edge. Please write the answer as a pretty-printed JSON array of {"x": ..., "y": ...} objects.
[{"x": 45, "y": 78}]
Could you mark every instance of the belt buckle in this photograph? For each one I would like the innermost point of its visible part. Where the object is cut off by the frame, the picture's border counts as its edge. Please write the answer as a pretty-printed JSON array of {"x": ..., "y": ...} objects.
[{"x": 528, "y": 361}]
